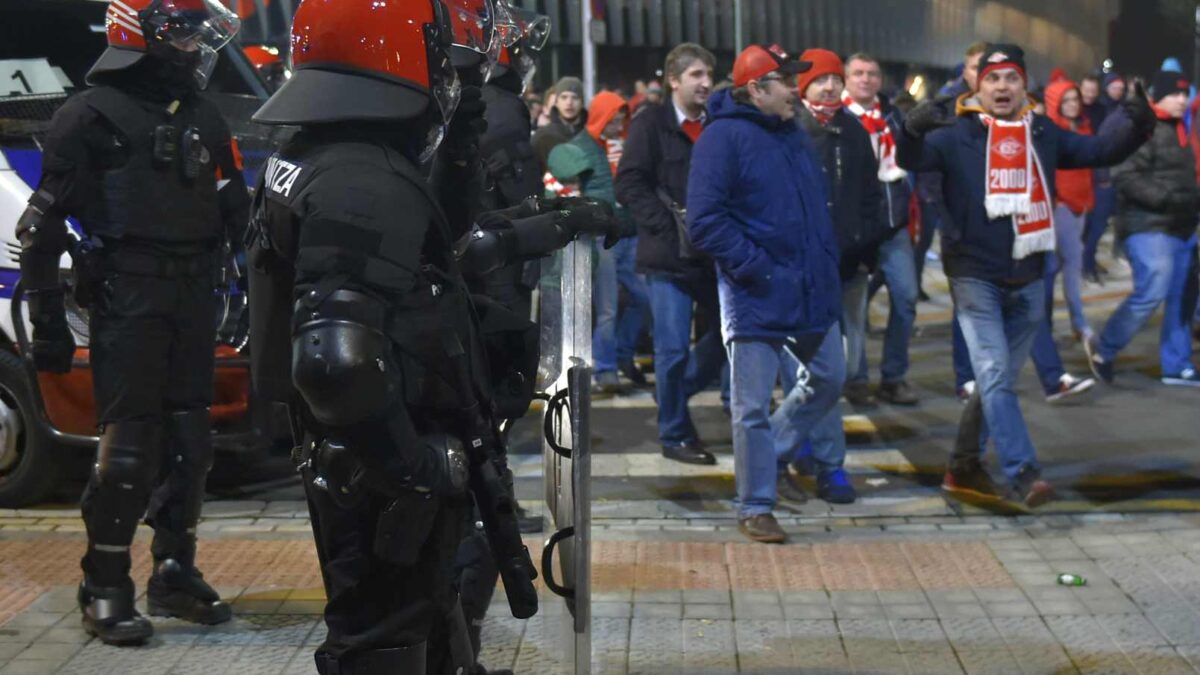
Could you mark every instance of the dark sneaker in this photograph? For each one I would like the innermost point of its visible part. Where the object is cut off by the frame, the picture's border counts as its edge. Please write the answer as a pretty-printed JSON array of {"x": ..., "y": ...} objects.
[
  {"x": 835, "y": 488},
  {"x": 788, "y": 490},
  {"x": 898, "y": 393},
  {"x": 1030, "y": 489},
  {"x": 630, "y": 370},
  {"x": 175, "y": 590},
  {"x": 1103, "y": 370},
  {"x": 108, "y": 614},
  {"x": 858, "y": 394},
  {"x": 688, "y": 453},
  {"x": 762, "y": 528},
  {"x": 969, "y": 481},
  {"x": 1068, "y": 386},
  {"x": 804, "y": 465},
  {"x": 1186, "y": 378}
]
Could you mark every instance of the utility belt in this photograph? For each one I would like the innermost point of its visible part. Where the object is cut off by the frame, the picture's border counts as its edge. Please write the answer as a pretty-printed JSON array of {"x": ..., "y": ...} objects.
[
  {"x": 165, "y": 266},
  {"x": 93, "y": 262}
]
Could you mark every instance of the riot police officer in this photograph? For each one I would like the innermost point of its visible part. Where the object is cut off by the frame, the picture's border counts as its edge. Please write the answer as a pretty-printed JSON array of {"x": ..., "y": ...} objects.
[
  {"x": 148, "y": 168},
  {"x": 362, "y": 324}
]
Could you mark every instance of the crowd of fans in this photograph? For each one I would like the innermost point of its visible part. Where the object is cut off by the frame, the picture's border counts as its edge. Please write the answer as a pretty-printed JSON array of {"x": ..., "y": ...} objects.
[{"x": 765, "y": 210}]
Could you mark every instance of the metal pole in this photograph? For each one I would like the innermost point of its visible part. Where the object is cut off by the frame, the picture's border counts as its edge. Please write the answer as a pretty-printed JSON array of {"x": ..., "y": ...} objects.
[
  {"x": 1196, "y": 50},
  {"x": 739, "y": 38},
  {"x": 589, "y": 53}
]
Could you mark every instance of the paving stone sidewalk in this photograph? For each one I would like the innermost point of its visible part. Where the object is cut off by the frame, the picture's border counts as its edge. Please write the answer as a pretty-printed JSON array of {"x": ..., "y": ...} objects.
[{"x": 862, "y": 595}]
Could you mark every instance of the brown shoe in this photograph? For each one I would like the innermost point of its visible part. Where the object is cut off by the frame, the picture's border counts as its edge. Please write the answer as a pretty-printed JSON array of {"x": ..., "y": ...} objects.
[
  {"x": 1031, "y": 489},
  {"x": 858, "y": 394},
  {"x": 898, "y": 393},
  {"x": 788, "y": 490},
  {"x": 762, "y": 528}
]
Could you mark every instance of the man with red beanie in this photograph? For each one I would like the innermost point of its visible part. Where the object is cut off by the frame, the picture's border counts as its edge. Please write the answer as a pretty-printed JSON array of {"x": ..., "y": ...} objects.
[{"x": 998, "y": 164}]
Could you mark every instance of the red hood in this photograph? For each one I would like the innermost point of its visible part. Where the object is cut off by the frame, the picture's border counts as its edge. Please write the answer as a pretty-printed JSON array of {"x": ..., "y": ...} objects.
[
  {"x": 604, "y": 108},
  {"x": 1054, "y": 96}
]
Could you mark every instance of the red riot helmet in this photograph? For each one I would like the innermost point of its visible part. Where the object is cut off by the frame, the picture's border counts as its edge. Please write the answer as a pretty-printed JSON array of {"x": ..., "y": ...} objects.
[
  {"x": 367, "y": 60},
  {"x": 184, "y": 32}
]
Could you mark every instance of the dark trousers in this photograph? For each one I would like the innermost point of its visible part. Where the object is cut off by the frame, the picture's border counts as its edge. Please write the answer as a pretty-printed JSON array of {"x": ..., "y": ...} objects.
[
  {"x": 152, "y": 346},
  {"x": 375, "y": 603}
]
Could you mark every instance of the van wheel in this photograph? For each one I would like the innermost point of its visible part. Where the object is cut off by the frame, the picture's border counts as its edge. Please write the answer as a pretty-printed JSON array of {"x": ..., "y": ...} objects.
[{"x": 28, "y": 471}]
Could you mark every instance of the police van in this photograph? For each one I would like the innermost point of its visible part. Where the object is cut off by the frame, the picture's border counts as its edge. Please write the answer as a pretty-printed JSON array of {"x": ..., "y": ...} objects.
[{"x": 47, "y": 420}]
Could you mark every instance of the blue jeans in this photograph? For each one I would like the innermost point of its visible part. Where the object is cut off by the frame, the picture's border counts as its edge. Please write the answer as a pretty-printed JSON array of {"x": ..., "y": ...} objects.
[
  {"x": 998, "y": 324},
  {"x": 1161, "y": 264},
  {"x": 963, "y": 371},
  {"x": 1097, "y": 222},
  {"x": 1046, "y": 359},
  {"x": 932, "y": 214},
  {"x": 678, "y": 373},
  {"x": 898, "y": 271},
  {"x": 760, "y": 439},
  {"x": 614, "y": 337},
  {"x": 854, "y": 320}
]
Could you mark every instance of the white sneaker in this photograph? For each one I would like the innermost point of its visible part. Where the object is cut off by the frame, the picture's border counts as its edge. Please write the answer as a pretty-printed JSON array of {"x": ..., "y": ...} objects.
[
  {"x": 965, "y": 391},
  {"x": 1068, "y": 386}
]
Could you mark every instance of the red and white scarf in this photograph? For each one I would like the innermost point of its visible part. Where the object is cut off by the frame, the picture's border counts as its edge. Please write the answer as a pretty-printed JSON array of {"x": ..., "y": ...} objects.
[
  {"x": 554, "y": 187},
  {"x": 824, "y": 112},
  {"x": 1016, "y": 185},
  {"x": 881, "y": 137}
]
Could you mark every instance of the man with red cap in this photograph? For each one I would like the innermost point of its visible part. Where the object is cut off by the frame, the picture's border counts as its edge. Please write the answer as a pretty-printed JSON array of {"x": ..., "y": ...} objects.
[
  {"x": 998, "y": 164},
  {"x": 758, "y": 205}
]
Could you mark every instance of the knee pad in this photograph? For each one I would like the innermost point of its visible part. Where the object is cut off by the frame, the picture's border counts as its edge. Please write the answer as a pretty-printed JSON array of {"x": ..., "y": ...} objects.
[
  {"x": 189, "y": 438},
  {"x": 125, "y": 467}
]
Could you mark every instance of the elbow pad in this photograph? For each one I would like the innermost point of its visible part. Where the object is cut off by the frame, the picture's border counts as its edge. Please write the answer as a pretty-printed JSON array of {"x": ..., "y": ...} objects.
[
  {"x": 43, "y": 238},
  {"x": 341, "y": 358},
  {"x": 485, "y": 251}
]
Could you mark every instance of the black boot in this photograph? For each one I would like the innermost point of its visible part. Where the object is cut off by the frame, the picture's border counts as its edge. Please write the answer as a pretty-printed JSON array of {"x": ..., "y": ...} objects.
[
  {"x": 392, "y": 661},
  {"x": 175, "y": 590},
  {"x": 108, "y": 614}
]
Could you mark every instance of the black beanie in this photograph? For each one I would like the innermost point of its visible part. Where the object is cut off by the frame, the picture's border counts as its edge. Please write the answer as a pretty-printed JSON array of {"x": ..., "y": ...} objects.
[
  {"x": 1167, "y": 82},
  {"x": 1003, "y": 56}
]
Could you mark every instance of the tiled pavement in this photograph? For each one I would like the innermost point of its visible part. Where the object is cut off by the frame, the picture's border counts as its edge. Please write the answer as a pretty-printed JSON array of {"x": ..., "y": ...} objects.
[{"x": 866, "y": 595}]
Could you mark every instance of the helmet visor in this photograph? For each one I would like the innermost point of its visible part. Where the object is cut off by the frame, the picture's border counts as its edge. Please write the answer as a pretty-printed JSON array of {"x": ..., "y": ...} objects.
[
  {"x": 187, "y": 25},
  {"x": 444, "y": 85},
  {"x": 530, "y": 26},
  {"x": 482, "y": 26}
]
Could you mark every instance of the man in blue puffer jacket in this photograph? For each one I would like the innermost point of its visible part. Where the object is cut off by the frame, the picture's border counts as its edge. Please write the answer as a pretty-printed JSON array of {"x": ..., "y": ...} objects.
[{"x": 759, "y": 206}]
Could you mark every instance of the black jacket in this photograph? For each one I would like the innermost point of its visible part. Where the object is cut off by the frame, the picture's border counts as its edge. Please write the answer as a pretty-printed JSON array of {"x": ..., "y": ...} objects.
[
  {"x": 848, "y": 162},
  {"x": 1159, "y": 173},
  {"x": 512, "y": 167},
  {"x": 658, "y": 154}
]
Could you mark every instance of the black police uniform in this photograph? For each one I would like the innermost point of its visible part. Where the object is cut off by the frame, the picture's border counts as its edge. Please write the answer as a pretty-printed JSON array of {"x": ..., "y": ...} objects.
[
  {"x": 149, "y": 170},
  {"x": 513, "y": 175},
  {"x": 351, "y": 252}
]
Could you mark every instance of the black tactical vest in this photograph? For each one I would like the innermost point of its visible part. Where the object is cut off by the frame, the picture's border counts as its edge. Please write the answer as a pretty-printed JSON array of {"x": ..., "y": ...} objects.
[
  {"x": 159, "y": 197},
  {"x": 422, "y": 321}
]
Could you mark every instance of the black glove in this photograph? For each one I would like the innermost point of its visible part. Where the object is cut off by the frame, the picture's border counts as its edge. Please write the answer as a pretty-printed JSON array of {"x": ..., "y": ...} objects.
[
  {"x": 926, "y": 117},
  {"x": 1137, "y": 107},
  {"x": 467, "y": 125},
  {"x": 591, "y": 217},
  {"x": 53, "y": 346}
]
